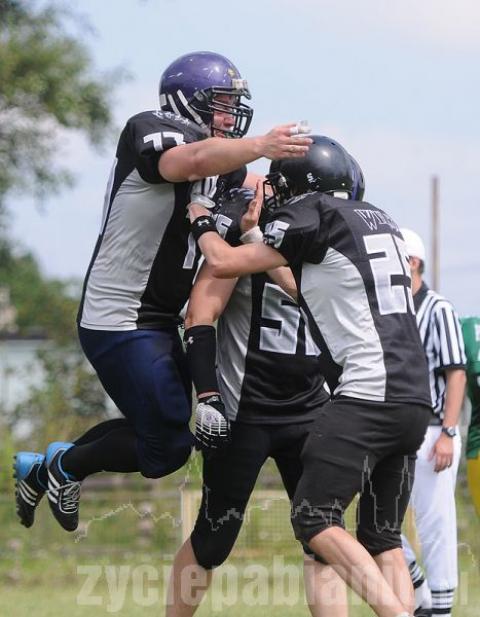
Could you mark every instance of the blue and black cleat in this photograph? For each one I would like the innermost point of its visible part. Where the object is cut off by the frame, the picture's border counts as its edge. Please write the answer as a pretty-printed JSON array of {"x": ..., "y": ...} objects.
[
  {"x": 29, "y": 489},
  {"x": 63, "y": 488}
]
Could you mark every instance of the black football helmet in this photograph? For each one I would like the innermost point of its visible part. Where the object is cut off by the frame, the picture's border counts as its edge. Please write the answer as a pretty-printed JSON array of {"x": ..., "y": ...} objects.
[
  {"x": 359, "y": 192},
  {"x": 326, "y": 168},
  {"x": 190, "y": 85}
]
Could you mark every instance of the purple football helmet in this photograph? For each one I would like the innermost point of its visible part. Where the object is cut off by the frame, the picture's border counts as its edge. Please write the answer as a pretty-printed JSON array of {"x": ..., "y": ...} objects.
[{"x": 190, "y": 85}]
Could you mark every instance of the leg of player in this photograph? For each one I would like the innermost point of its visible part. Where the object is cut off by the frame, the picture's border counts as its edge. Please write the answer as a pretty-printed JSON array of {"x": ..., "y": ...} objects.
[
  {"x": 145, "y": 374},
  {"x": 394, "y": 569},
  {"x": 356, "y": 566},
  {"x": 381, "y": 510},
  {"x": 225, "y": 497},
  {"x": 325, "y": 591},
  {"x": 348, "y": 466},
  {"x": 423, "y": 596},
  {"x": 188, "y": 583},
  {"x": 31, "y": 475}
]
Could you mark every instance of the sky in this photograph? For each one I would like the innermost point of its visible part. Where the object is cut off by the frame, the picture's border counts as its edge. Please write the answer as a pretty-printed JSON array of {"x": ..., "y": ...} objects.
[{"x": 396, "y": 82}]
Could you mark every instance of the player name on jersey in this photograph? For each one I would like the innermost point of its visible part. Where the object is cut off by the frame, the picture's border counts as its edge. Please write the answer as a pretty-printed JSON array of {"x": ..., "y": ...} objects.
[{"x": 351, "y": 267}]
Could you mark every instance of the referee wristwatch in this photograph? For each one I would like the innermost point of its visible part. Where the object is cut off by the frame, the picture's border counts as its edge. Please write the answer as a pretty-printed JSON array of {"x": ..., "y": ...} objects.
[{"x": 450, "y": 431}]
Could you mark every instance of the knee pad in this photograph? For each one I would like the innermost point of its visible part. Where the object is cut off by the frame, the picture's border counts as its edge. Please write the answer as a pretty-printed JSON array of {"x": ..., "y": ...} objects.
[
  {"x": 377, "y": 540},
  {"x": 308, "y": 521},
  {"x": 218, "y": 524},
  {"x": 156, "y": 461},
  {"x": 211, "y": 547}
]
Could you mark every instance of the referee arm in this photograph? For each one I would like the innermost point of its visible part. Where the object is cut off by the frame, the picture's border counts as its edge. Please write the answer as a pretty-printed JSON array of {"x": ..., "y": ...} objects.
[
  {"x": 452, "y": 363},
  {"x": 454, "y": 393}
]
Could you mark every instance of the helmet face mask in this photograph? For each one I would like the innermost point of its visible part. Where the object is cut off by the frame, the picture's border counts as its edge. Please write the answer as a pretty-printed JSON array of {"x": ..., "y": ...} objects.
[
  {"x": 326, "y": 168},
  {"x": 275, "y": 190},
  {"x": 207, "y": 103},
  {"x": 194, "y": 85}
]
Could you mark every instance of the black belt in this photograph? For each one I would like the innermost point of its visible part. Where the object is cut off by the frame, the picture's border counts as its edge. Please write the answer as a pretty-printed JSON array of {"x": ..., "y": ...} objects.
[{"x": 435, "y": 420}]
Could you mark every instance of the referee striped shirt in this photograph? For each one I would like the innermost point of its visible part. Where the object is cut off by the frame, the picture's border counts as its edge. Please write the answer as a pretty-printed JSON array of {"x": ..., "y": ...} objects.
[{"x": 442, "y": 341}]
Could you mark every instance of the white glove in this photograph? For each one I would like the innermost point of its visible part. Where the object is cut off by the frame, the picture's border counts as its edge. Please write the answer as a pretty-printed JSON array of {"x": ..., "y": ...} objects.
[{"x": 212, "y": 427}]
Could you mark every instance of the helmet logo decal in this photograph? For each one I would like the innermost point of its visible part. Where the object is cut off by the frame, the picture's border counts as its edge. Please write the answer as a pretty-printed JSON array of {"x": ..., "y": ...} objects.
[{"x": 240, "y": 84}]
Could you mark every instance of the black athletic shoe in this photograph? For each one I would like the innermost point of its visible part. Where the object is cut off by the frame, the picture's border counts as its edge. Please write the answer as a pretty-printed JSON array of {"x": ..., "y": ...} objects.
[
  {"x": 63, "y": 489},
  {"x": 28, "y": 488},
  {"x": 423, "y": 612}
]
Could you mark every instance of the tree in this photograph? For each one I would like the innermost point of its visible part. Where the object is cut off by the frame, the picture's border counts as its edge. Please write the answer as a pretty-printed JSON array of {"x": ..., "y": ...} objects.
[
  {"x": 43, "y": 306},
  {"x": 46, "y": 85},
  {"x": 69, "y": 400}
]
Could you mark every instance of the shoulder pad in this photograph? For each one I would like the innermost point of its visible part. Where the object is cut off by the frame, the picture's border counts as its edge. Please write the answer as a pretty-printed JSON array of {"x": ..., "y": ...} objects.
[{"x": 188, "y": 127}]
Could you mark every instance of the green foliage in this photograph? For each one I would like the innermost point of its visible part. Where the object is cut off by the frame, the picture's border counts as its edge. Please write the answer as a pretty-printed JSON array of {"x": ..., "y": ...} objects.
[
  {"x": 69, "y": 400},
  {"x": 43, "y": 306},
  {"x": 6, "y": 456},
  {"x": 46, "y": 84}
]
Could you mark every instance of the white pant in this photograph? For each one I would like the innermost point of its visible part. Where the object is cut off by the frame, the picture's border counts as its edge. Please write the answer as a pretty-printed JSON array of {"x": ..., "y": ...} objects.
[{"x": 433, "y": 502}]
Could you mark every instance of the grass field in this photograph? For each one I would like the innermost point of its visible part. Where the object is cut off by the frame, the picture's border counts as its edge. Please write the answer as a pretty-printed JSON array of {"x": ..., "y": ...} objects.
[
  {"x": 134, "y": 589},
  {"x": 121, "y": 565}
]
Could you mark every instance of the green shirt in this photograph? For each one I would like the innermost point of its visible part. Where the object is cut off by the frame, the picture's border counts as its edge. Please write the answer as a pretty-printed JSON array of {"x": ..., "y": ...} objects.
[{"x": 471, "y": 337}]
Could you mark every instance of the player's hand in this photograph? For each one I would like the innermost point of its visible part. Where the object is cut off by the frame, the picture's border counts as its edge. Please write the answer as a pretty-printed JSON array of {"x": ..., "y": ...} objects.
[
  {"x": 442, "y": 453},
  {"x": 196, "y": 210},
  {"x": 251, "y": 216},
  {"x": 285, "y": 142},
  {"x": 212, "y": 427}
]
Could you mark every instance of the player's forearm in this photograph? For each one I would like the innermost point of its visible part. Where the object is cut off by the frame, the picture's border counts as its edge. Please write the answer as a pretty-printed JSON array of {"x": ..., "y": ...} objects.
[
  {"x": 224, "y": 260},
  {"x": 454, "y": 393},
  {"x": 217, "y": 156},
  {"x": 208, "y": 298},
  {"x": 220, "y": 256},
  {"x": 284, "y": 278},
  {"x": 210, "y": 157}
]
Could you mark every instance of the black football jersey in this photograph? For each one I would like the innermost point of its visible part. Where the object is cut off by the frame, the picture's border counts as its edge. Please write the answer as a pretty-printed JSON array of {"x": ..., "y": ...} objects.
[
  {"x": 268, "y": 365},
  {"x": 352, "y": 270},
  {"x": 145, "y": 258}
]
